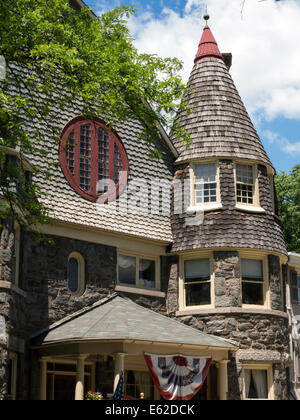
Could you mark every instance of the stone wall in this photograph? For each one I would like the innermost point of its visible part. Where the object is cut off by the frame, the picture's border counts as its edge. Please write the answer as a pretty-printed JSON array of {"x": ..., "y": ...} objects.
[
  {"x": 227, "y": 279},
  {"x": 263, "y": 334}
]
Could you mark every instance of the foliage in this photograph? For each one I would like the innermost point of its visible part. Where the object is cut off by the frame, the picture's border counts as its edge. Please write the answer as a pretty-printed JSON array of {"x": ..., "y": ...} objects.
[
  {"x": 288, "y": 193},
  {"x": 94, "y": 396},
  {"x": 58, "y": 48}
]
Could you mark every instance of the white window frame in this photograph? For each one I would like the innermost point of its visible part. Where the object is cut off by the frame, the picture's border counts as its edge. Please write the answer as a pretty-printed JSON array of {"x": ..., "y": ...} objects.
[
  {"x": 270, "y": 379},
  {"x": 81, "y": 274},
  {"x": 265, "y": 284},
  {"x": 138, "y": 284},
  {"x": 215, "y": 205},
  {"x": 255, "y": 206},
  {"x": 182, "y": 290}
]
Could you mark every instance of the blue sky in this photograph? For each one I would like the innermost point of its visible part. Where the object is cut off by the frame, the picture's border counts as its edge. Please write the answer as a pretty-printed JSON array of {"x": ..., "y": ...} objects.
[{"x": 264, "y": 39}]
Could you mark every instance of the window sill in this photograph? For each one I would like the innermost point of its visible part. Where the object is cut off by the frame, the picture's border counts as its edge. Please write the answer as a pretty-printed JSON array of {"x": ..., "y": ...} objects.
[
  {"x": 207, "y": 207},
  {"x": 137, "y": 291},
  {"x": 250, "y": 209},
  {"x": 231, "y": 310}
]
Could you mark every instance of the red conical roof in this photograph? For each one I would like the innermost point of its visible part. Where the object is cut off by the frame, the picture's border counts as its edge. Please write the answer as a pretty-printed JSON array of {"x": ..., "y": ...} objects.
[{"x": 208, "y": 46}]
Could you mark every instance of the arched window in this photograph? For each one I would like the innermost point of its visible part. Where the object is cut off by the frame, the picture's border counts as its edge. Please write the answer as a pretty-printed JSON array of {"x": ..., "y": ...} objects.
[
  {"x": 76, "y": 274},
  {"x": 91, "y": 155}
]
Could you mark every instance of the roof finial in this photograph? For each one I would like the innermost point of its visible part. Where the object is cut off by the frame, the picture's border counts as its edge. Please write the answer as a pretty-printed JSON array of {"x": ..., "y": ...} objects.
[{"x": 206, "y": 16}]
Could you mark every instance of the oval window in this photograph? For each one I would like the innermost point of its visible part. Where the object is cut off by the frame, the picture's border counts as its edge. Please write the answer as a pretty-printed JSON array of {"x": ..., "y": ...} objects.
[
  {"x": 93, "y": 160},
  {"x": 76, "y": 274},
  {"x": 73, "y": 275}
]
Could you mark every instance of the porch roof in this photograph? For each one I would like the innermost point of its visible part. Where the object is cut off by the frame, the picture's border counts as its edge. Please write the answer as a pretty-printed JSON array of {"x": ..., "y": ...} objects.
[{"x": 118, "y": 318}]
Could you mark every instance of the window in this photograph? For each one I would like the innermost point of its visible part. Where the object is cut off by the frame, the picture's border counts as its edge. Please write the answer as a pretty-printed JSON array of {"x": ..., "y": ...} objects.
[
  {"x": 295, "y": 287},
  {"x": 12, "y": 375},
  {"x": 257, "y": 383},
  {"x": 197, "y": 282},
  {"x": 76, "y": 274},
  {"x": 137, "y": 272},
  {"x": 245, "y": 184},
  {"x": 205, "y": 183},
  {"x": 252, "y": 282},
  {"x": 91, "y": 157},
  {"x": 137, "y": 383}
]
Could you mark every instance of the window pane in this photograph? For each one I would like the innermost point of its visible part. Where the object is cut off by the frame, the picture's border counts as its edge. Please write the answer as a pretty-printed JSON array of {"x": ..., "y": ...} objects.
[
  {"x": 70, "y": 153},
  {"x": 73, "y": 275},
  {"x": 252, "y": 270},
  {"x": 127, "y": 269},
  {"x": 147, "y": 273},
  {"x": 103, "y": 159},
  {"x": 85, "y": 157},
  {"x": 244, "y": 174},
  {"x": 117, "y": 164},
  {"x": 256, "y": 382},
  {"x": 252, "y": 293},
  {"x": 244, "y": 193},
  {"x": 197, "y": 270},
  {"x": 205, "y": 173},
  {"x": 198, "y": 294}
]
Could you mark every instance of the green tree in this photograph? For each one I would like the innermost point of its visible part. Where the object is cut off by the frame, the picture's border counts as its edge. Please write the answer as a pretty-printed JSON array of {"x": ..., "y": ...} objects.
[
  {"x": 288, "y": 193},
  {"x": 74, "y": 52}
]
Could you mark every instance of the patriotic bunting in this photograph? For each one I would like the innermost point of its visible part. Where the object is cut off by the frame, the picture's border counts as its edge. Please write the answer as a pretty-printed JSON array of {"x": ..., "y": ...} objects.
[{"x": 178, "y": 377}]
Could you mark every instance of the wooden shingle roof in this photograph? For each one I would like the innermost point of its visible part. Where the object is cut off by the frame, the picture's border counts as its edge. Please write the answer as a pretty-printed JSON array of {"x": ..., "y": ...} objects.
[{"x": 219, "y": 124}]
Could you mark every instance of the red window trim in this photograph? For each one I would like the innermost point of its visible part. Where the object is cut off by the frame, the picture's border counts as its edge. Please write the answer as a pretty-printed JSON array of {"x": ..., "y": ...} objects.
[{"x": 74, "y": 179}]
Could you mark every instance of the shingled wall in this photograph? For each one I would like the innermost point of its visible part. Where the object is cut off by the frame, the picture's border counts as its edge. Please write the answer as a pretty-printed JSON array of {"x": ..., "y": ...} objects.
[{"x": 230, "y": 227}]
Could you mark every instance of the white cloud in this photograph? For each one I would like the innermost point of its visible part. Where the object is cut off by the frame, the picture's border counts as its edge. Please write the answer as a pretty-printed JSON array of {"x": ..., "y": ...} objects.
[
  {"x": 292, "y": 148},
  {"x": 264, "y": 42}
]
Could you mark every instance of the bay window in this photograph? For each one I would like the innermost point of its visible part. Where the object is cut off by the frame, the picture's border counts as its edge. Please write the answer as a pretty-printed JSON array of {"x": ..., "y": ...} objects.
[
  {"x": 197, "y": 282},
  {"x": 245, "y": 184},
  {"x": 253, "y": 282},
  {"x": 205, "y": 189}
]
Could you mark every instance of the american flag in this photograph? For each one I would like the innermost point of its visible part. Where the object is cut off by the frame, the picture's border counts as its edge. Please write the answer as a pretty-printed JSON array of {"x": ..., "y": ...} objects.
[{"x": 119, "y": 392}]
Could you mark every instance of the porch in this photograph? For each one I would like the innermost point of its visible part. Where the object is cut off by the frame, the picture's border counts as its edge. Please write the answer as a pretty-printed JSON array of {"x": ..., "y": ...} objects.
[{"x": 90, "y": 349}]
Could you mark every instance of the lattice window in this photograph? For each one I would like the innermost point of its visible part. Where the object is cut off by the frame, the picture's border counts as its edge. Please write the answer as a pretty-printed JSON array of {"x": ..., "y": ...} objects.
[
  {"x": 206, "y": 183},
  {"x": 70, "y": 153},
  {"x": 245, "y": 184},
  {"x": 85, "y": 157},
  {"x": 91, "y": 153}
]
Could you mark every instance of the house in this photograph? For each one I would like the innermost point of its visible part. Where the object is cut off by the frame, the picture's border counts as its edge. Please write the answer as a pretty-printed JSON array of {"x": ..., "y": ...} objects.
[
  {"x": 293, "y": 308},
  {"x": 137, "y": 267}
]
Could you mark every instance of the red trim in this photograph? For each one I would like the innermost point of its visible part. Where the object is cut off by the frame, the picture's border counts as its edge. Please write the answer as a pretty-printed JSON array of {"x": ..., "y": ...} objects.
[
  {"x": 74, "y": 179},
  {"x": 166, "y": 395}
]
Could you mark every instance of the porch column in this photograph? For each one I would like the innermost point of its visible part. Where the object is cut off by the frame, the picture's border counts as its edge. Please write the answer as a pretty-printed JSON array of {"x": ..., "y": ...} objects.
[
  {"x": 119, "y": 367},
  {"x": 223, "y": 379},
  {"x": 43, "y": 379},
  {"x": 79, "y": 390}
]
